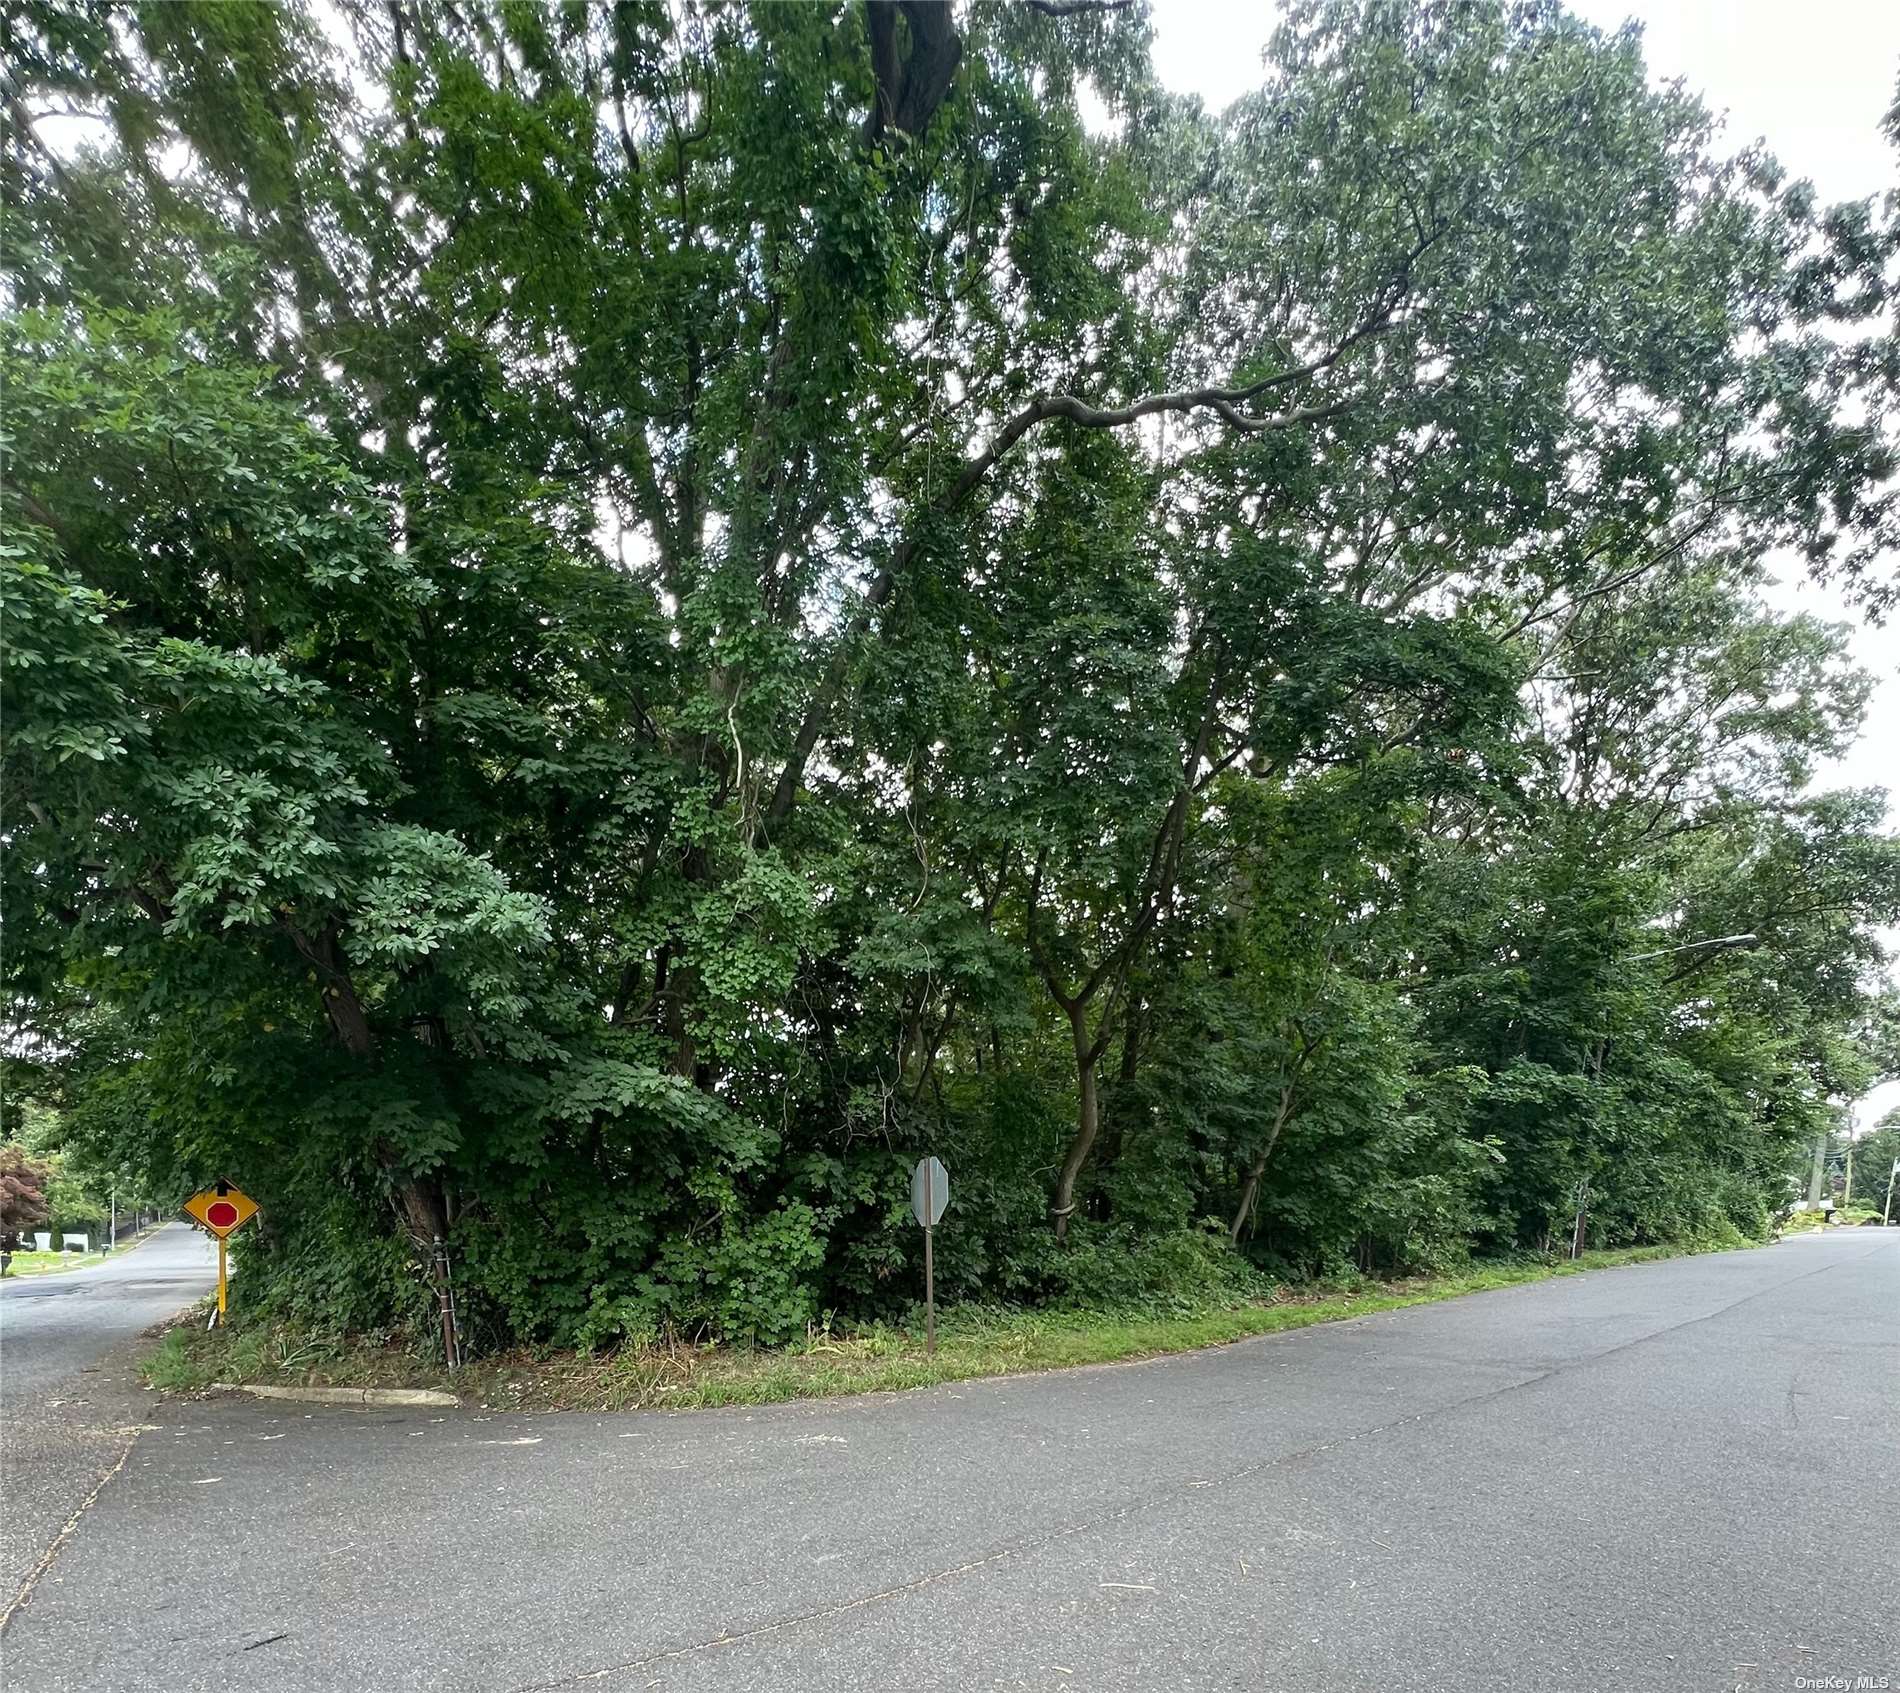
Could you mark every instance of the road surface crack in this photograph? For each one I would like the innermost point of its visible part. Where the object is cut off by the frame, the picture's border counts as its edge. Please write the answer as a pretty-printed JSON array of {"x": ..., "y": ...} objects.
[
  {"x": 823, "y": 1613},
  {"x": 1170, "y": 1493},
  {"x": 47, "y": 1558}
]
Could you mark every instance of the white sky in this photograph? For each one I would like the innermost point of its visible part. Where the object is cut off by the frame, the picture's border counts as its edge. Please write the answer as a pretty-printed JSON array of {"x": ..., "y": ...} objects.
[{"x": 1812, "y": 77}]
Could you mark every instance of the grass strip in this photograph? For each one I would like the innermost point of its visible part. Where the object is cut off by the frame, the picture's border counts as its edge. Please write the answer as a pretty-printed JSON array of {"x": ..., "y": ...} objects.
[{"x": 973, "y": 1342}]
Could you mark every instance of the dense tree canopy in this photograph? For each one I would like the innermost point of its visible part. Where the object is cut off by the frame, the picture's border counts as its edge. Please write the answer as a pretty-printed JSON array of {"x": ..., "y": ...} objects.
[{"x": 620, "y": 617}]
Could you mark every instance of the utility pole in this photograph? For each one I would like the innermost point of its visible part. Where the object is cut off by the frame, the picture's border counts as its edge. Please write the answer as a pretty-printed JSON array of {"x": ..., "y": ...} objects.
[
  {"x": 1886, "y": 1216},
  {"x": 1819, "y": 1170},
  {"x": 1580, "y": 1223},
  {"x": 112, "y": 1226}
]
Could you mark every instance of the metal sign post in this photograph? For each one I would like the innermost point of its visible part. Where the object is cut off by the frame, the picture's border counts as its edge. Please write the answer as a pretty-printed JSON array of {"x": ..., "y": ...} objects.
[
  {"x": 445, "y": 1299},
  {"x": 929, "y": 1198}
]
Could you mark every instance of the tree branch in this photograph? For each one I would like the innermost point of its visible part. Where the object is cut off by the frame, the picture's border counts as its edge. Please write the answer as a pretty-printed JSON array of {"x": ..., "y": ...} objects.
[{"x": 1224, "y": 402}]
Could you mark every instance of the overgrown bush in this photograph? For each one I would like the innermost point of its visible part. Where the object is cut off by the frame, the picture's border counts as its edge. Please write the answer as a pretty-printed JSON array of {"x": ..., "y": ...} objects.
[
  {"x": 527, "y": 722},
  {"x": 319, "y": 1271},
  {"x": 1119, "y": 1268}
]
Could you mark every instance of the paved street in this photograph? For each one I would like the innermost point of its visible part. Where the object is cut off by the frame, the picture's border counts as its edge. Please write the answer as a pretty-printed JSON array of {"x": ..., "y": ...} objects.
[
  {"x": 1663, "y": 1476},
  {"x": 53, "y": 1327},
  {"x": 67, "y": 1403}
]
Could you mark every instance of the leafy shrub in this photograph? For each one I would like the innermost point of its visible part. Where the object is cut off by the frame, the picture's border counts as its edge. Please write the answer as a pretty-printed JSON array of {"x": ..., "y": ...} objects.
[
  {"x": 1116, "y": 1268},
  {"x": 755, "y": 1282},
  {"x": 321, "y": 1270}
]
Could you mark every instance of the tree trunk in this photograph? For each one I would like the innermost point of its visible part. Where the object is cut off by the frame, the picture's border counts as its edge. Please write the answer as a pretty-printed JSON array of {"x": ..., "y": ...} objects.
[
  {"x": 419, "y": 1201},
  {"x": 682, "y": 984},
  {"x": 1115, "y": 1131},
  {"x": 348, "y": 1020},
  {"x": 424, "y": 1214},
  {"x": 910, "y": 84},
  {"x": 1088, "y": 1120},
  {"x": 1251, "y": 1191}
]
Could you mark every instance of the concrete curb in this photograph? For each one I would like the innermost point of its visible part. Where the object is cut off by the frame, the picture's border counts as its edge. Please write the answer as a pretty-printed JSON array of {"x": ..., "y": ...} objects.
[{"x": 368, "y": 1396}]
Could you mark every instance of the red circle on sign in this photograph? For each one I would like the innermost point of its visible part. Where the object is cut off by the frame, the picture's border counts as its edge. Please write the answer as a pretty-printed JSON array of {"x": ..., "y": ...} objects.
[{"x": 221, "y": 1214}]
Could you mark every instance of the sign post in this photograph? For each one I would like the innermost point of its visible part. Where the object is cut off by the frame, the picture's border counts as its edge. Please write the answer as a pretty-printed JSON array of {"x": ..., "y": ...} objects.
[
  {"x": 221, "y": 1211},
  {"x": 929, "y": 1198}
]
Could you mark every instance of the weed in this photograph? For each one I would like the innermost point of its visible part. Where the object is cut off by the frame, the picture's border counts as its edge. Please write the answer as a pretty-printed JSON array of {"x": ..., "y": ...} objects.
[{"x": 974, "y": 1341}]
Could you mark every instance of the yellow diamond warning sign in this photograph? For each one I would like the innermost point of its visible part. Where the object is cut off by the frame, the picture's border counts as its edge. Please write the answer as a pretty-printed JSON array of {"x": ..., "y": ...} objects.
[{"x": 222, "y": 1209}]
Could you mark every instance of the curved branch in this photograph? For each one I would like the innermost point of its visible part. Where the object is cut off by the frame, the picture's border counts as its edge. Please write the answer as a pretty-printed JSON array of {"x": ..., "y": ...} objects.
[{"x": 1224, "y": 401}]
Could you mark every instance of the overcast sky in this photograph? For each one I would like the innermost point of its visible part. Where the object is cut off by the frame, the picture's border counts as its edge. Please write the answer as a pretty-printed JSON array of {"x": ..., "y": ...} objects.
[{"x": 1811, "y": 77}]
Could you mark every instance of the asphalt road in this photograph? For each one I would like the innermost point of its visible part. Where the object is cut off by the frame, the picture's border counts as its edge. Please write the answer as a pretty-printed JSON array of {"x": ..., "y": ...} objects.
[
  {"x": 1676, "y": 1475},
  {"x": 53, "y": 1327},
  {"x": 68, "y": 1404}
]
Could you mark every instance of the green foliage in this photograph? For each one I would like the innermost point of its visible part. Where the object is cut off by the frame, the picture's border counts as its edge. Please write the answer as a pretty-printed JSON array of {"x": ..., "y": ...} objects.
[
  {"x": 613, "y": 630},
  {"x": 170, "y": 1368},
  {"x": 1875, "y": 1156},
  {"x": 754, "y": 1281},
  {"x": 1117, "y": 1269},
  {"x": 322, "y": 1272}
]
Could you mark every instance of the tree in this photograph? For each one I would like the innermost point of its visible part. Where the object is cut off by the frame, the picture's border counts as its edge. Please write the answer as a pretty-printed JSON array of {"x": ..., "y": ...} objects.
[
  {"x": 621, "y": 618},
  {"x": 22, "y": 1195}
]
